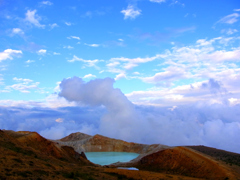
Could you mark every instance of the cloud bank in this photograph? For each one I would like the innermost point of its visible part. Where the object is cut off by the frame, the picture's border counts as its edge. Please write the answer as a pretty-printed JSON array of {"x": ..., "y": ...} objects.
[
  {"x": 204, "y": 123},
  {"x": 103, "y": 109}
]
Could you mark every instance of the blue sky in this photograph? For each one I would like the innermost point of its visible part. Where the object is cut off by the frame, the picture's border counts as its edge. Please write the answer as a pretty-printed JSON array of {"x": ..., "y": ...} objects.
[{"x": 168, "y": 56}]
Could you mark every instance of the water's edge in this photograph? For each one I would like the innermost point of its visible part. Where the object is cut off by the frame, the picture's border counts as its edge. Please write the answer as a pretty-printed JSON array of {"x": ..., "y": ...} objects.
[{"x": 106, "y": 158}]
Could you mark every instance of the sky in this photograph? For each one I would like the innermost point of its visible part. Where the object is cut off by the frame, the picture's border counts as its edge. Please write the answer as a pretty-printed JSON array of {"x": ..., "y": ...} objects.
[{"x": 146, "y": 71}]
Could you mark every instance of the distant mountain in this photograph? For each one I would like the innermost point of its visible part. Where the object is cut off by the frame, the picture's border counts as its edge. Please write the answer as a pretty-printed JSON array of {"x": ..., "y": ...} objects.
[
  {"x": 27, "y": 155},
  {"x": 98, "y": 143}
]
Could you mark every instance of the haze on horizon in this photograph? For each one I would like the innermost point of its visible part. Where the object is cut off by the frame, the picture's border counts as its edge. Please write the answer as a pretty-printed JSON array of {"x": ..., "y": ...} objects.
[{"x": 148, "y": 71}]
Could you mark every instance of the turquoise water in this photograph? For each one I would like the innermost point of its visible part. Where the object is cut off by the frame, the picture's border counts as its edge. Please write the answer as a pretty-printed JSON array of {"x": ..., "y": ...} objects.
[{"x": 105, "y": 158}]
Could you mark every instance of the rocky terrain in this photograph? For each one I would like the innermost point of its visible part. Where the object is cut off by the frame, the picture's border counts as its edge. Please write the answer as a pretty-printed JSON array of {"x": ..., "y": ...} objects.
[
  {"x": 155, "y": 158},
  {"x": 27, "y": 155},
  {"x": 98, "y": 143}
]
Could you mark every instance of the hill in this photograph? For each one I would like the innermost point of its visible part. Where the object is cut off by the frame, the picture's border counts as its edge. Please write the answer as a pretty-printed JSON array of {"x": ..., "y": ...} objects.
[
  {"x": 27, "y": 155},
  {"x": 228, "y": 157},
  {"x": 157, "y": 158}
]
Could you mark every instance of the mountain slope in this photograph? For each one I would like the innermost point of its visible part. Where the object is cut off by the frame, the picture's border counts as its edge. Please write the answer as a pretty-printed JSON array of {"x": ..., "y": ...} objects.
[
  {"x": 184, "y": 161},
  {"x": 27, "y": 155},
  {"x": 98, "y": 143},
  {"x": 158, "y": 158}
]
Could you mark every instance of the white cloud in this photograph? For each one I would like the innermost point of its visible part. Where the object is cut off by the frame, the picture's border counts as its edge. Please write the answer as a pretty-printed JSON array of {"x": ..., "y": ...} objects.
[
  {"x": 9, "y": 53},
  {"x": 92, "y": 45},
  {"x": 42, "y": 51},
  {"x": 136, "y": 73},
  {"x": 23, "y": 85},
  {"x": 33, "y": 18},
  {"x": 89, "y": 63},
  {"x": 234, "y": 101},
  {"x": 174, "y": 2},
  {"x": 74, "y": 37},
  {"x": 229, "y": 31},
  {"x": 53, "y": 25},
  {"x": 68, "y": 47},
  {"x": 88, "y": 14},
  {"x": 166, "y": 77},
  {"x": 46, "y": 3},
  {"x": 68, "y": 23},
  {"x": 131, "y": 12},
  {"x": 209, "y": 123},
  {"x": 17, "y": 31},
  {"x": 88, "y": 76},
  {"x": 29, "y": 61},
  {"x": 120, "y": 111},
  {"x": 59, "y": 120},
  {"x": 120, "y": 76},
  {"x": 204, "y": 51},
  {"x": 158, "y": 1},
  {"x": 55, "y": 53},
  {"x": 229, "y": 19},
  {"x": 25, "y": 81},
  {"x": 130, "y": 62},
  {"x": 212, "y": 122},
  {"x": 185, "y": 71}
]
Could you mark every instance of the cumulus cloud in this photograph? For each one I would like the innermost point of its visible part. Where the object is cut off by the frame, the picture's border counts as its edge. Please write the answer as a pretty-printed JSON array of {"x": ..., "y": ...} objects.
[
  {"x": 100, "y": 92},
  {"x": 9, "y": 53},
  {"x": 33, "y": 18},
  {"x": 131, "y": 12},
  {"x": 203, "y": 123},
  {"x": 213, "y": 85}
]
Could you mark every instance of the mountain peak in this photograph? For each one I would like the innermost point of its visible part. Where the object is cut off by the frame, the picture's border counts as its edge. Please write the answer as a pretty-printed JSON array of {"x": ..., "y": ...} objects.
[{"x": 75, "y": 137}]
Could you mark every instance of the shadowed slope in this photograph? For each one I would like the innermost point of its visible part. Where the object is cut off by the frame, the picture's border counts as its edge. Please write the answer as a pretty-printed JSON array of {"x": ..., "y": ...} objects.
[{"x": 228, "y": 157}]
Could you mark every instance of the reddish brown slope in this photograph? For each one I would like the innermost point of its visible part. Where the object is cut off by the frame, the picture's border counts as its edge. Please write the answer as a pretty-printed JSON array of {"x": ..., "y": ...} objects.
[
  {"x": 34, "y": 142},
  {"x": 184, "y": 161}
]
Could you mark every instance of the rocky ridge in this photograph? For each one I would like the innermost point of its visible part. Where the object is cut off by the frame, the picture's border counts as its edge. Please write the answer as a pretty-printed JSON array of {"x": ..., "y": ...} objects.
[{"x": 98, "y": 143}]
